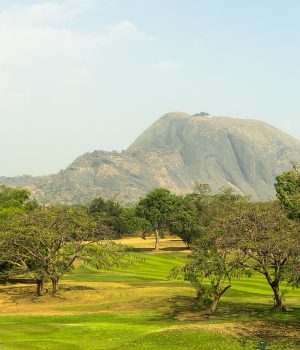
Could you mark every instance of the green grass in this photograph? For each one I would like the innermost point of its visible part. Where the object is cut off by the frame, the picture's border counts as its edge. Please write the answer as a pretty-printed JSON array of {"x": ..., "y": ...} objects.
[
  {"x": 161, "y": 314},
  {"x": 104, "y": 332},
  {"x": 151, "y": 267}
]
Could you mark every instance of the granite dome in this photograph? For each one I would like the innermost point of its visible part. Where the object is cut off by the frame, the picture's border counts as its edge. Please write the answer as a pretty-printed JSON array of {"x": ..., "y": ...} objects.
[{"x": 175, "y": 152}]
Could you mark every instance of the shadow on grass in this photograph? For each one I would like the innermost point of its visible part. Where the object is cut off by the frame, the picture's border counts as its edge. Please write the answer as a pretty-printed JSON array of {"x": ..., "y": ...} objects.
[
  {"x": 174, "y": 249},
  {"x": 189, "y": 308},
  {"x": 75, "y": 288},
  {"x": 163, "y": 249},
  {"x": 24, "y": 294},
  {"x": 139, "y": 250},
  {"x": 13, "y": 281},
  {"x": 251, "y": 320}
]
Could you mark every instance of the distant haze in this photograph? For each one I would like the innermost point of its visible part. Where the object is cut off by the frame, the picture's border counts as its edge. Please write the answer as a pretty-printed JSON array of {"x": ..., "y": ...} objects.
[{"x": 82, "y": 75}]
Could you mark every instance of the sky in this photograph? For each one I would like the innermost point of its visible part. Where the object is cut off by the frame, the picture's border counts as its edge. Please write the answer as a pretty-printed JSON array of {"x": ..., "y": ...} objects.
[{"x": 82, "y": 75}]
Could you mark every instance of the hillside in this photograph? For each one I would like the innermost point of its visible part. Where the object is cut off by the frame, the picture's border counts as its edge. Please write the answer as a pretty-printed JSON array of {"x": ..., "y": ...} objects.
[{"x": 175, "y": 152}]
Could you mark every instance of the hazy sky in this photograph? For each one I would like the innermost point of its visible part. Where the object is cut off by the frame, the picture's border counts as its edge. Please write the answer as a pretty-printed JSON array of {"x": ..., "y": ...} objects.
[{"x": 80, "y": 75}]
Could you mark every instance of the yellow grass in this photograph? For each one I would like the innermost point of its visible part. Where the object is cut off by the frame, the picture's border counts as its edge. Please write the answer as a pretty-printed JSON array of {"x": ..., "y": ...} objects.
[{"x": 166, "y": 244}]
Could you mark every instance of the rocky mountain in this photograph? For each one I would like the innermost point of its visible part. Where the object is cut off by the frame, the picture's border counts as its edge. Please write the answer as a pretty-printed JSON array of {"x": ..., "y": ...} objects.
[{"x": 175, "y": 152}]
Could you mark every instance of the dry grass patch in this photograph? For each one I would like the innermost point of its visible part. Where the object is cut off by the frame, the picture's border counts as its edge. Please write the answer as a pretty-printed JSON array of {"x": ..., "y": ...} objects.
[
  {"x": 267, "y": 330},
  {"x": 167, "y": 244},
  {"x": 88, "y": 297},
  {"x": 20, "y": 299}
]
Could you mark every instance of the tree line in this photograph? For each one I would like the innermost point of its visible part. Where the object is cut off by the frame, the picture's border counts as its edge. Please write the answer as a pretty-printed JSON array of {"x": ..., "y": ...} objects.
[{"x": 228, "y": 236}]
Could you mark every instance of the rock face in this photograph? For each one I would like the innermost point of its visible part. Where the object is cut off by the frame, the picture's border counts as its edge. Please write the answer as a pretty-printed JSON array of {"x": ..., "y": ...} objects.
[{"x": 175, "y": 152}]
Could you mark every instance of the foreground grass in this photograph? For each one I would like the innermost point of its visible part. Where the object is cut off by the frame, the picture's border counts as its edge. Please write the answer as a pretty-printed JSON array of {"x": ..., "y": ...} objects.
[
  {"x": 140, "y": 308},
  {"x": 101, "y": 331}
]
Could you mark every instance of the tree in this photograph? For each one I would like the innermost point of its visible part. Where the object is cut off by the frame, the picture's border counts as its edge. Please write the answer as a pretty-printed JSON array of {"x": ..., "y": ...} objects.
[
  {"x": 185, "y": 221},
  {"x": 288, "y": 191},
  {"x": 270, "y": 242},
  {"x": 213, "y": 264},
  {"x": 201, "y": 210},
  {"x": 13, "y": 197},
  {"x": 6, "y": 270},
  {"x": 107, "y": 213},
  {"x": 13, "y": 201},
  {"x": 158, "y": 209},
  {"x": 46, "y": 242},
  {"x": 214, "y": 260},
  {"x": 129, "y": 222}
]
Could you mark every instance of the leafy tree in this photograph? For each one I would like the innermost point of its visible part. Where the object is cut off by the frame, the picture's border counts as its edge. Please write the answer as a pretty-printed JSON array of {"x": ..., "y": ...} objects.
[
  {"x": 201, "y": 211},
  {"x": 129, "y": 222},
  {"x": 13, "y": 201},
  {"x": 185, "y": 221},
  {"x": 214, "y": 260},
  {"x": 158, "y": 209},
  {"x": 13, "y": 197},
  {"x": 107, "y": 213},
  {"x": 288, "y": 191},
  {"x": 100, "y": 205},
  {"x": 213, "y": 263},
  {"x": 200, "y": 197},
  {"x": 46, "y": 242},
  {"x": 271, "y": 243},
  {"x": 107, "y": 254},
  {"x": 6, "y": 270}
]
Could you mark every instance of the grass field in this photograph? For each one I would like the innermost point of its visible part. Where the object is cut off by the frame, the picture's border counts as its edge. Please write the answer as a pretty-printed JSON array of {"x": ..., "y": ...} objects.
[{"x": 141, "y": 308}]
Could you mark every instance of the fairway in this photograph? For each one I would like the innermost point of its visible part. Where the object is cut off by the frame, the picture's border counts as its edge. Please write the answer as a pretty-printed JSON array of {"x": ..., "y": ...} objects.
[{"x": 140, "y": 307}]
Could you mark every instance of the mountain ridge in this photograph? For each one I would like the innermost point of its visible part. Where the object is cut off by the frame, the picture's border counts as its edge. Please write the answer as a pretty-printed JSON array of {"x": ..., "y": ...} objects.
[{"x": 175, "y": 152}]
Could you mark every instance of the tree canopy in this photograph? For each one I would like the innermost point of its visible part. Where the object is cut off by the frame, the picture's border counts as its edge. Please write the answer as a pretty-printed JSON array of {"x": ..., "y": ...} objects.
[
  {"x": 269, "y": 242},
  {"x": 288, "y": 191},
  {"x": 214, "y": 260},
  {"x": 44, "y": 242},
  {"x": 13, "y": 197},
  {"x": 158, "y": 209}
]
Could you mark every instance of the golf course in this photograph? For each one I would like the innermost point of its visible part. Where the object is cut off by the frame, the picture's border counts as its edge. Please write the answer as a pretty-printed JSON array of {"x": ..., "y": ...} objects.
[{"x": 141, "y": 307}]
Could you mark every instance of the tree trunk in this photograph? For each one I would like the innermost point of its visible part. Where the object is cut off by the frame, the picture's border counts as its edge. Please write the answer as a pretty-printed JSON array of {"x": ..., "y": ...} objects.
[
  {"x": 278, "y": 297},
  {"x": 157, "y": 240},
  {"x": 39, "y": 287},
  {"x": 214, "y": 305},
  {"x": 55, "y": 281},
  {"x": 199, "y": 296}
]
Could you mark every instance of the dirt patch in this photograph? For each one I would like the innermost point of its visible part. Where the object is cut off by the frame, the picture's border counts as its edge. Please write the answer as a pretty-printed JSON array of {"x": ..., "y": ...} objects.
[
  {"x": 258, "y": 329},
  {"x": 267, "y": 330},
  {"x": 271, "y": 330}
]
